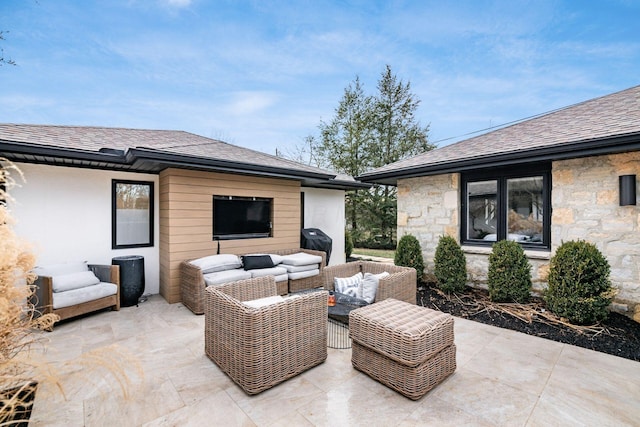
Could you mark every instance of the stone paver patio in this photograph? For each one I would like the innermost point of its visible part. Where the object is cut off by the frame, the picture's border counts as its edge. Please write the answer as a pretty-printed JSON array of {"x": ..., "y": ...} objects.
[{"x": 503, "y": 378}]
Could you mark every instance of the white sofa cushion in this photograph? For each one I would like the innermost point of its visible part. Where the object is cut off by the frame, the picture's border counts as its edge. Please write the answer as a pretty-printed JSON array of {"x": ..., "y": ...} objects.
[
  {"x": 67, "y": 282},
  {"x": 273, "y": 271},
  {"x": 80, "y": 295},
  {"x": 263, "y": 302},
  {"x": 220, "y": 277},
  {"x": 214, "y": 263},
  {"x": 303, "y": 274},
  {"x": 60, "y": 269},
  {"x": 301, "y": 258},
  {"x": 298, "y": 268},
  {"x": 282, "y": 278}
]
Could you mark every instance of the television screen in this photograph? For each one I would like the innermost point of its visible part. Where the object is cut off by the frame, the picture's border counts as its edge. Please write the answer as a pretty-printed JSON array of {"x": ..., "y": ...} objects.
[{"x": 241, "y": 217}]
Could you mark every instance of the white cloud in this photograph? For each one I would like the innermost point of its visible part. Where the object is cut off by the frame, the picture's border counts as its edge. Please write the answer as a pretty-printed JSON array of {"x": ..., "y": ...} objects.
[
  {"x": 245, "y": 103},
  {"x": 179, "y": 3}
]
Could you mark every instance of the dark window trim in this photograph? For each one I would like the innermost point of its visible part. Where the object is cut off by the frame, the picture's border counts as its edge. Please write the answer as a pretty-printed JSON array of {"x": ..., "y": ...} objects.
[
  {"x": 501, "y": 175},
  {"x": 114, "y": 244}
]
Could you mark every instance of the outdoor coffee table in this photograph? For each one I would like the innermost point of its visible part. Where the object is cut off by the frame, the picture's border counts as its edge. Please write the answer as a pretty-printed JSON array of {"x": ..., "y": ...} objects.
[{"x": 338, "y": 326}]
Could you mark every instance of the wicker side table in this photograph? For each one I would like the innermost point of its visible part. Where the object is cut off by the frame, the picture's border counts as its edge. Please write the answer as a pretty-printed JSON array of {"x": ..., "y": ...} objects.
[{"x": 406, "y": 347}]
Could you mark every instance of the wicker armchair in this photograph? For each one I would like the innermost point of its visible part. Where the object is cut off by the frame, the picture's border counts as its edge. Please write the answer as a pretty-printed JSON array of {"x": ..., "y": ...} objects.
[
  {"x": 192, "y": 283},
  {"x": 401, "y": 284},
  {"x": 259, "y": 348}
]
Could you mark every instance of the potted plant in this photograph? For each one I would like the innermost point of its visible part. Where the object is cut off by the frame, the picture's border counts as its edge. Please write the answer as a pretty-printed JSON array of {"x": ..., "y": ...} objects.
[{"x": 18, "y": 316}]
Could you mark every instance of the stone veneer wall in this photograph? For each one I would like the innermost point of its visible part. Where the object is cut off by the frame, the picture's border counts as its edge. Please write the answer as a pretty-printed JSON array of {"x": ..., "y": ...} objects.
[{"x": 585, "y": 206}]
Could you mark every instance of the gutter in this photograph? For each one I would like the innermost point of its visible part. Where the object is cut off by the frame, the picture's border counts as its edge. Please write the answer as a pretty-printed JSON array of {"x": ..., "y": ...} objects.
[
  {"x": 180, "y": 160},
  {"x": 584, "y": 148},
  {"x": 104, "y": 155}
]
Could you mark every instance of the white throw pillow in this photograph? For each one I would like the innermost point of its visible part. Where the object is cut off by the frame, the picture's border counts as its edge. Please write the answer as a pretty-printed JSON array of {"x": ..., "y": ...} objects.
[
  {"x": 67, "y": 282},
  {"x": 213, "y": 263},
  {"x": 60, "y": 269},
  {"x": 369, "y": 286},
  {"x": 348, "y": 285},
  {"x": 263, "y": 302}
]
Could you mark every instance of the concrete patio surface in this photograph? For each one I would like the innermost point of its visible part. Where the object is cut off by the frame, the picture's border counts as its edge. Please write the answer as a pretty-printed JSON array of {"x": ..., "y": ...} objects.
[{"x": 504, "y": 378}]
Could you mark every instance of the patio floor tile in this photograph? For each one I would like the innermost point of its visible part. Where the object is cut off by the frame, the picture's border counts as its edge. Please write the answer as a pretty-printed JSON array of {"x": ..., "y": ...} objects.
[{"x": 503, "y": 378}]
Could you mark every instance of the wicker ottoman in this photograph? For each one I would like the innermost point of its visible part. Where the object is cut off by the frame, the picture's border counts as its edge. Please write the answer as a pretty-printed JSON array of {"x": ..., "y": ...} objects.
[{"x": 406, "y": 347}]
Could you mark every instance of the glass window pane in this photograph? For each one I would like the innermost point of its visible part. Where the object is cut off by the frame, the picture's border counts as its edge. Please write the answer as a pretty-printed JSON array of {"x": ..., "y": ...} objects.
[
  {"x": 133, "y": 214},
  {"x": 481, "y": 210},
  {"x": 525, "y": 209}
]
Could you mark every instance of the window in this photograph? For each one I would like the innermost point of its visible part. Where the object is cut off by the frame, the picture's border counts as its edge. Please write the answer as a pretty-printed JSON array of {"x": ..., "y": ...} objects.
[
  {"x": 241, "y": 217},
  {"x": 131, "y": 214},
  {"x": 507, "y": 204}
]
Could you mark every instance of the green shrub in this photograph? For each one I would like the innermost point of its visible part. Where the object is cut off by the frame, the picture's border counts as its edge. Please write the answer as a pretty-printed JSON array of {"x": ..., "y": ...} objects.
[
  {"x": 409, "y": 254},
  {"x": 579, "y": 286},
  {"x": 509, "y": 275},
  {"x": 450, "y": 265},
  {"x": 348, "y": 243}
]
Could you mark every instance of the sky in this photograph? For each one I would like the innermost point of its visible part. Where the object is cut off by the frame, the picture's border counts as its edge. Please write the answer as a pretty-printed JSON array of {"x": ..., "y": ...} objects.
[{"x": 263, "y": 74}]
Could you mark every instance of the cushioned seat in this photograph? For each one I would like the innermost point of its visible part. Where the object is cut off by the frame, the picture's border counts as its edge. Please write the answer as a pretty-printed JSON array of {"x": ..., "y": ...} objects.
[
  {"x": 73, "y": 289},
  {"x": 82, "y": 295},
  {"x": 401, "y": 283},
  {"x": 260, "y": 339},
  {"x": 220, "y": 277},
  {"x": 225, "y": 268}
]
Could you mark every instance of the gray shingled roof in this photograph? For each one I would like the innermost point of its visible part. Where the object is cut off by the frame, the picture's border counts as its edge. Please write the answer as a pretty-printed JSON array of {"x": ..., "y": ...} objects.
[
  {"x": 607, "y": 124},
  {"x": 147, "y": 150}
]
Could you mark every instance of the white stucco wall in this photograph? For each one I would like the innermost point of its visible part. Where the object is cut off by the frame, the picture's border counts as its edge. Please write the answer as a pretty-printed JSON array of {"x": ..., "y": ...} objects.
[
  {"x": 65, "y": 213},
  {"x": 324, "y": 209}
]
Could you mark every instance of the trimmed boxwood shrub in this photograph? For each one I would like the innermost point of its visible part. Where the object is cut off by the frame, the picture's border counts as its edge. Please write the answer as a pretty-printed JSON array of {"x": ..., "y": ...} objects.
[
  {"x": 409, "y": 254},
  {"x": 579, "y": 286},
  {"x": 509, "y": 276},
  {"x": 450, "y": 265},
  {"x": 348, "y": 243}
]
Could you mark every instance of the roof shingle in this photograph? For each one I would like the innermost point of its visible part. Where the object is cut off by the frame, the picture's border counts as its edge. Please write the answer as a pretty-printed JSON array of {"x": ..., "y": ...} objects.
[{"x": 603, "y": 118}]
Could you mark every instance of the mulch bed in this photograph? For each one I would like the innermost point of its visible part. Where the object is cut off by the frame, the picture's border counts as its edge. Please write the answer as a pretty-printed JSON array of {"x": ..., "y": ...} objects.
[{"x": 618, "y": 335}]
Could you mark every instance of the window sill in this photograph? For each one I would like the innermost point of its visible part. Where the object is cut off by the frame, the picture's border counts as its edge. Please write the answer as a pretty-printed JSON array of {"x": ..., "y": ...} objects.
[{"x": 482, "y": 250}]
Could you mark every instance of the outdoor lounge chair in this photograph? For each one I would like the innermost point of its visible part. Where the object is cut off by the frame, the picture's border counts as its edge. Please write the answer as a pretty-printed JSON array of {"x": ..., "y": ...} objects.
[
  {"x": 259, "y": 346},
  {"x": 401, "y": 283},
  {"x": 77, "y": 288}
]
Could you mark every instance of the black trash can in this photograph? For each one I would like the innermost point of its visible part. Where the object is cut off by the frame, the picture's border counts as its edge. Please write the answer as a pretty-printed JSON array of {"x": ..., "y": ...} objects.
[
  {"x": 313, "y": 238},
  {"x": 131, "y": 278}
]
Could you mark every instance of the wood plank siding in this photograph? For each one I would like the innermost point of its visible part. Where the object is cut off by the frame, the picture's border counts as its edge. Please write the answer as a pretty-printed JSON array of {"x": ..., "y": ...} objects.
[{"x": 186, "y": 218}]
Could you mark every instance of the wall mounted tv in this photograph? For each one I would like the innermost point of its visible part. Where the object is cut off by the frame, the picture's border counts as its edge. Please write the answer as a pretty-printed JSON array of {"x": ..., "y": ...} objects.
[{"x": 241, "y": 217}]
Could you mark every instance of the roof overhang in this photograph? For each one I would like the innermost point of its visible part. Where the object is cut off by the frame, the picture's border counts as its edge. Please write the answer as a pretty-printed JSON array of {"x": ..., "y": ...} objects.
[
  {"x": 577, "y": 149},
  {"x": 145, "y": 160}
]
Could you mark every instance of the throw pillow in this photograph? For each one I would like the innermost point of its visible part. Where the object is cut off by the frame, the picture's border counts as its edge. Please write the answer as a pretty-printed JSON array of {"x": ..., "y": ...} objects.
[
  {"x": 370, "y": 284},
  {"x": 253, "y": 262},
  {"x": 348, "y": 285},
  {"x": 68, "y": 282}
]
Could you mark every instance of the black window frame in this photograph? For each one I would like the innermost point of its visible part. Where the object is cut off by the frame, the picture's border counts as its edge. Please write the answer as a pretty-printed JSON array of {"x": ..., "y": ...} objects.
[
  {"x": 501, "y": 176},
  {"x": 114, "y": 215}
]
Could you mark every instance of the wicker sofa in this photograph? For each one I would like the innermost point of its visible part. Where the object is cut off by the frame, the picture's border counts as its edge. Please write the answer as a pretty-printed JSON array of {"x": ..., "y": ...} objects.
[
  {"x": 401, "y": 283},
  {"x": 192, "y": 281},
  {"x": 259, "y": 347}
]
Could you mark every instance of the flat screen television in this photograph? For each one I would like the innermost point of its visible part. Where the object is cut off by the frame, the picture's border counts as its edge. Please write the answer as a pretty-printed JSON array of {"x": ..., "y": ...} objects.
[{"x": 241, "y": 217}]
